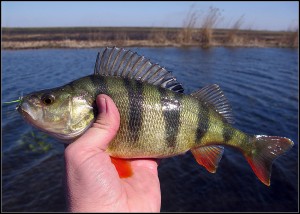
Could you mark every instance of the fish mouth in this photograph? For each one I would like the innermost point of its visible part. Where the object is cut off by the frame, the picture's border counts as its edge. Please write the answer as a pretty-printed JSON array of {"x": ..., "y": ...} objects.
[{"x": 24, "y": 109}]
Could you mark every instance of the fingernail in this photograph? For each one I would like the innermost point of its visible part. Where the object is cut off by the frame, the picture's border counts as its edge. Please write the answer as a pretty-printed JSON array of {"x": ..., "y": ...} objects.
[{"x": 102, "y": 107}]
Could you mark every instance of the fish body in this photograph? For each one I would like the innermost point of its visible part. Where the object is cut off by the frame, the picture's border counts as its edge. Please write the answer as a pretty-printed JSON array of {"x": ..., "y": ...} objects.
[{"x": 157, "y": 120}]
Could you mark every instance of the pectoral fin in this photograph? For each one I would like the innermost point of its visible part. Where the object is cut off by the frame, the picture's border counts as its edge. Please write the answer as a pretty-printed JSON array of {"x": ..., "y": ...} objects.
[{"x": 208, "y": 156}]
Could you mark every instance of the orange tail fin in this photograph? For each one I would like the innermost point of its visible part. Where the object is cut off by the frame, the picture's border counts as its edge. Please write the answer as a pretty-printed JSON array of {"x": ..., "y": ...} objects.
[{"x": 266, "y": 150}]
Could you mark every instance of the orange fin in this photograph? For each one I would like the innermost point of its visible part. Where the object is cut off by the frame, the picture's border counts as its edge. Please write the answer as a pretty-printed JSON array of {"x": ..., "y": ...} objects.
[
  {"x": 266, "y": 149},
  {"x": 208, "y": 156},
  {"x": 123, "y": 167}
]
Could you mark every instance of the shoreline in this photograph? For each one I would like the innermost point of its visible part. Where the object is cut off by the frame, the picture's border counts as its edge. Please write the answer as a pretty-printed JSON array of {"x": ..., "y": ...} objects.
[
  {"x": 96, "y": 37},
  {"x": 82, "y": 44}
]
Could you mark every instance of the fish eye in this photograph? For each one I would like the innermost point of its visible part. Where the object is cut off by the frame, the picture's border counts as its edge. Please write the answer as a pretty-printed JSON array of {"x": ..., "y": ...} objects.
[{"x": 48, "y": 99}]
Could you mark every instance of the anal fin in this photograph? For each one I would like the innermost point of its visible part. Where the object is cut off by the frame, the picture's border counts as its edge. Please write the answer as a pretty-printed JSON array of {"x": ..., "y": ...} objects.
[
  {"x": 123, "y": 167},
  {"x": 208, "y": 156}
]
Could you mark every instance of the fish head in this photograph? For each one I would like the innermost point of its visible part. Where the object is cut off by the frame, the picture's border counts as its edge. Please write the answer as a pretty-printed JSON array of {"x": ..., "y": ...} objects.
[{"x": 59, "y": 112}]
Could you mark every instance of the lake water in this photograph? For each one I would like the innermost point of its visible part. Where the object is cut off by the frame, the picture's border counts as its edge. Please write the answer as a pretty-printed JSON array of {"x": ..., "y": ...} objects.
[{"x": 260, "y": 83}]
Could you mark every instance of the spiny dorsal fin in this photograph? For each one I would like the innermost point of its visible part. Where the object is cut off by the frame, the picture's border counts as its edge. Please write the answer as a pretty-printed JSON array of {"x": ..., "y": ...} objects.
[
  {"x": 213, "y": 95},
  {"x": 208, "y": 156},
  {"x": 127, "y": 64}
]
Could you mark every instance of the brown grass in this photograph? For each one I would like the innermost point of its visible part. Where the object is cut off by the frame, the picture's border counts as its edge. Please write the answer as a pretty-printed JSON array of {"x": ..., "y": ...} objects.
[
  {"x": 158, "y": 36},
  {"x": 185, "y": 36},
  {"x": 291, "y": 39},
  {"x": 233, "y": 37},
  {"x": 25, "y": 38},
  {"x": 211, "y": 19}
]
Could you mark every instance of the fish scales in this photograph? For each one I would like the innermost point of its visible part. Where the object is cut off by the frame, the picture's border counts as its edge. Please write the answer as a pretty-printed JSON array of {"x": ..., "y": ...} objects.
[
  {"x": 140, "y": 113},
  {"x": 181, "y": 118},
  {"x": 157, "y": 119}
]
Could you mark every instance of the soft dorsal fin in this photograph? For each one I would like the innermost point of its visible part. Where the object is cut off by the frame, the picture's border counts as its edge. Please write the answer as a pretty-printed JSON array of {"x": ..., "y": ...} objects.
[
  {"x": 208, "y": 156},
  {"x": 127, "y": 64},
  {"x": 213, "y": 95}
]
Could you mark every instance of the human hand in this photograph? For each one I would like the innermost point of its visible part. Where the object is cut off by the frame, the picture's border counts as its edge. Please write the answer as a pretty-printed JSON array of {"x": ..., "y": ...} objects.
[{"x": 92, "y": 180}]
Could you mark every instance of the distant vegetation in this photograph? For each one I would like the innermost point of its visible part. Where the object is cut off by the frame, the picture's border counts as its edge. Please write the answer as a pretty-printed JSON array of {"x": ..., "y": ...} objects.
[
  {"x": 210, "y": 20},
  {"x": 198, "y": 29},
  {"x": 87, "y": 37}
]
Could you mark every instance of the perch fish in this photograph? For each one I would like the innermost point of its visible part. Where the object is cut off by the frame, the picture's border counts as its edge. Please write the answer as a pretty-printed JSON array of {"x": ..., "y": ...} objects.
[{"x": 157, "y": 120}]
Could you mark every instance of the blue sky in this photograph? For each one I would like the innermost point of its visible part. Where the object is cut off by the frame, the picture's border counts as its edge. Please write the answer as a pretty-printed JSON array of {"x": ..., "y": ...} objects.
[{"x": 257, "y": 15}]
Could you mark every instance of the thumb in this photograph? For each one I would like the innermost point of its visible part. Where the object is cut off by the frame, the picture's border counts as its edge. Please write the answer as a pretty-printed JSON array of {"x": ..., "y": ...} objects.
[{"x": 105, "y": 127}]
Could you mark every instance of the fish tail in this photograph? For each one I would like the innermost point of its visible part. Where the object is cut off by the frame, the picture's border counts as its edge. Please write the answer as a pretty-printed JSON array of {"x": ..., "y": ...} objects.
[{"x": 265, "y": 150}]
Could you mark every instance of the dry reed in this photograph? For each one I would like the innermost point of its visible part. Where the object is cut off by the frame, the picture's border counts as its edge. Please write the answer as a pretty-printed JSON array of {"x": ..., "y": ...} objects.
[{"x": 211, "y": 19}]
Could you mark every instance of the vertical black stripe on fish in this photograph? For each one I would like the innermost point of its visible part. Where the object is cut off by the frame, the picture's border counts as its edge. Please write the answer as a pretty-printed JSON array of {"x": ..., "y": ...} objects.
[
  {"x": 99, "y": 86},
  {"x": 135, "y": 94},
  {"x": 228, "y": 133},
  {"x": 171, "y": 112},
  {"x": 91, "y": 85},
  {"x": 203, "y": 121}
]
